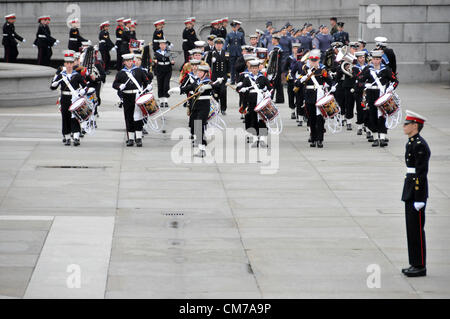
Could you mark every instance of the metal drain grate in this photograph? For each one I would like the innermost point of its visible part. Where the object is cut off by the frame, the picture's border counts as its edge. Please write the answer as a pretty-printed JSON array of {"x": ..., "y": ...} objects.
[
  {"x": 173, "y": 214},
  {"x": 71, "y": 167}
]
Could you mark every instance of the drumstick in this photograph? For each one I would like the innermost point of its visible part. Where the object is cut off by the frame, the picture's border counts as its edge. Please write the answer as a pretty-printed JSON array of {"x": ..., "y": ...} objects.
[{"x": 175, "y": 106}]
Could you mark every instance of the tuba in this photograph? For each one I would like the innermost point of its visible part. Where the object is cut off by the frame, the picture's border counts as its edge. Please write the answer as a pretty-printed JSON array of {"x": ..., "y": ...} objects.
[{"x": 347, "y": 60}]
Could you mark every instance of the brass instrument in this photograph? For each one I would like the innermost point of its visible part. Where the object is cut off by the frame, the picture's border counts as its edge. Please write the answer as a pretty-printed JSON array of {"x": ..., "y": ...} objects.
[
  {"x": 313, "y": 70},
  {"x": 347, "y": 59}
]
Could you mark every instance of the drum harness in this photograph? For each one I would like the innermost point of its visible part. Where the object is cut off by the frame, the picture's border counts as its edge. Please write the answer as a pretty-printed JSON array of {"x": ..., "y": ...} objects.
[
  {"x": 391, "y": 120},
  {"x": 88, "y": 125},
  {"x": 148, "y": 122},
  {"x": 334, "y": 124},
  {"x": 261, "y": 96}
]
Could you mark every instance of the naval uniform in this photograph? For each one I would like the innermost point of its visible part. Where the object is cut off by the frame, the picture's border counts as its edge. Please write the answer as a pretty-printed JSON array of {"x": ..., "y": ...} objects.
[
  {"x": 44, "y": 41},
  {"x": 315, "y": 122},
  {"x": 163, "y": 72},
  {"x": 415, "y": 189},
  {"x": 105, "y": 45},
  {"x": 129, "y": 95},
  {"x": 189, "y": 38},
  {"x": 75, "y": 40},
  {"x": 10, "y": 38},
  {"x": 252, "y": 124},
  {"x": 119, "y": 34},
  {"x": 69, "y": 123},
  {"x": 220, "y": 68},
  {"x": 365, "y": 78}
]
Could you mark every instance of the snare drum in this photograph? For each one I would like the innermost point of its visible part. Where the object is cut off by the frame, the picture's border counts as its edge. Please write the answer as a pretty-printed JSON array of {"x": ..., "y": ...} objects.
[
  {"x": 147, "y": 104},
  {"x": 213, "y": 109},
  {"x": 387, "y": 104},
  {"x": 328, "y": 106},
  {"x": 80, "y": 108},
  {"x": 267, "y": 110}
]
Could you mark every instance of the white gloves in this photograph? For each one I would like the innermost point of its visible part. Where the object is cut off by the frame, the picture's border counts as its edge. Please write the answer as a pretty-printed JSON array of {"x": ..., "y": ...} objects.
[
  {"x": 114, "y": 49},
  {"x": 333, "y": 89},
  {"x": 55, "y": 83},
  {"x": 239, "y": 84},
  {"x": 303, "y": 79},
  {"x": 149, "y": 87},
  {"x": 419, "y": 205},
  {"x": 219, "y": 80},
  {"x": 122, "y": 87},
  {"x": 34, "y": 45},
  {"x": 390, "y": 88},
  {"x": 24, "y": 40},
  {"x": 243, "y": 90},
  {"x": 57, "y": 41},
  {"x": 270, "y": 77},
  {"x": 82, "y": 92},
  {"x": 213, "y": 60},
  {"x": 229, "y": 81},
  {"x": 174, "y": 90},
  {"x": 170, "y": 46}
]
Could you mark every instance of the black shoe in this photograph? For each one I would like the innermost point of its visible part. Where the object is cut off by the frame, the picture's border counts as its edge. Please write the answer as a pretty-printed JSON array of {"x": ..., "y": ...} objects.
[
  {"x": 406, "y": 269},
  {"x": 383, "y": 143},
  {"x": 64, "y": 140},
  {"x": 139, "y": 142},
  {"x": 319, "y": 144},
  {"x": 349, "y": 127},
  {"x": 415, "y": 272},
  {"x": 387, "y": 140},
  {"x": 130, "y": 143},
  {"x": 76, "y": 142},
  {"x": 300, "y": 123},
  {"x": 359, "y": 132},
  {"x": 293, "y": 117},
  {"x": 309, "y": 140},
  {"x": 376, "y": 143},
  {"x": 67, "y": 143},
  {"x": 313, "y": 144}
]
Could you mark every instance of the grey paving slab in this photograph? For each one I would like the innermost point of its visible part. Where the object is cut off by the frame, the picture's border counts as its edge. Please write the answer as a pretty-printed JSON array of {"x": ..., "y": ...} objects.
[{"x": 215, "y": 230}]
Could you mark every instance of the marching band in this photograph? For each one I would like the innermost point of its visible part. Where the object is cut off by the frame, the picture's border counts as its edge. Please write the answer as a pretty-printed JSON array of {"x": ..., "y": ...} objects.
[{"x": 325, "y": 73}]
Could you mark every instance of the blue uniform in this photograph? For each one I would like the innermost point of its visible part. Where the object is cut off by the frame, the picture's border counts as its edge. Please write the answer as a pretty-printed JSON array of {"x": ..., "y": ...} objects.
[
  {"x": 306, "y": 42},
  {"x": 233, "y": 43},
  {"x": 341, "y": 36}
]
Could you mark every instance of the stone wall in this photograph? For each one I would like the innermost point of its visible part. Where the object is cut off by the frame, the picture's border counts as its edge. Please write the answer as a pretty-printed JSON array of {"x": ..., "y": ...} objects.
[{"x": 419, "y": 33}]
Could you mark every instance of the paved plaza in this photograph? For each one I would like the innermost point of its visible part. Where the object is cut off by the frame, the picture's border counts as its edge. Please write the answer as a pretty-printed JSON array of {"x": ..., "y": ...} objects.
[{"x": 106, "y": 221}]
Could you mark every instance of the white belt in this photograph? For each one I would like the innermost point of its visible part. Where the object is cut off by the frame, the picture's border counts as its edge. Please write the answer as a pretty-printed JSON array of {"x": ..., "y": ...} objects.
[
  {"x": 371, "y": 87},
  {"x": 102, "y": 41},
  {"x": 73, "y": 39},
  {"x": 410, "y": 170},
  {"x": 66, "y": 93},
  {"x": 5, "y": 35},
  {"x": 204, "y": 97},
  {"x": 310, "y": 87},
  {"x": 131, "y": 91},
  {"x": 163, "y": 63},
  {"x": 42, "y": 36},
  {"x": 252, "y": 91},
  {"x": 118, "y": 39},
  {"x": 185, "y": 40}
]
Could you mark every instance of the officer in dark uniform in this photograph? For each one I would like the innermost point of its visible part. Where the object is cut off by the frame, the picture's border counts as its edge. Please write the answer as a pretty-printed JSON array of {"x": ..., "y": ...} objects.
[
  {"x": 223, "y": 28},
  {"x": 209, "y": 48},
  {"x": 44, "y": 41},
  {"x": 215, "y": 28},
  {"x": 233, "y": 44},
  {"x": 126, "y": 37},
  {"x": 75, "y": 37},
  {"x": 10, "y": 38},
  {"x": 333, "y": 22},
  {"x": 189, "y": 37},
  {"x": 415, "y": 193},
  {"x": 119, "y": 34},
  {"x": 163, "y": 71},
  {"x": 290, "y": 78},
  {"x": 105, "y": 45},
  {"x": 220, "y": 68},
  {"x": 341, "y": 35}
]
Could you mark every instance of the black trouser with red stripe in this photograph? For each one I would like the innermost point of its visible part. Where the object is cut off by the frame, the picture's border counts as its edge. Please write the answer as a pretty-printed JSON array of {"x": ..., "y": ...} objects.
[
  {"x": 11, "y": 54},
  {"x": 415, "y": 223}
]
